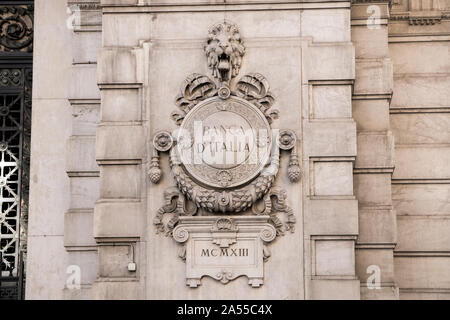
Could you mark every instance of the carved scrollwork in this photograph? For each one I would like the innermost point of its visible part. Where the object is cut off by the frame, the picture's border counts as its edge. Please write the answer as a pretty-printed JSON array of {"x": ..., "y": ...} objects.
[
  {"x": 223, "y": 188},
  {"x": 195, "y": 88},
  {"x": 16, "y": 28},
  {"x": 224, "y": 276},
  {"x": 175, "y": 204},
  {"x": 268, "y": 234},
  {"x": 220, "y": 121},
  {"x": 255, "y": 89},
  {"x": 274, "y": 202},
  {"x": 180, "y": 234}
]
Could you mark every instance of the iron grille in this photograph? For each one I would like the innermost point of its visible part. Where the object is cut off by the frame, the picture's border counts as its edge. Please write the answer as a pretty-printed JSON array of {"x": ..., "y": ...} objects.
[{"x": 16, "y": 46}]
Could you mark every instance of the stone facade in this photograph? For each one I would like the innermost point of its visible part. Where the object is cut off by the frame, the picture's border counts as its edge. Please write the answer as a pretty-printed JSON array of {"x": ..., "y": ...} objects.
[{"x": 362, "y": 85}]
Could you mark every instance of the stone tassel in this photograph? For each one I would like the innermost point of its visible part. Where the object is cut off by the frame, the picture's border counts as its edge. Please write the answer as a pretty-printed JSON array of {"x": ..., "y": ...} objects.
[
  {"x": 294, "y": 171},
  {"x": 155, "y": 172}
]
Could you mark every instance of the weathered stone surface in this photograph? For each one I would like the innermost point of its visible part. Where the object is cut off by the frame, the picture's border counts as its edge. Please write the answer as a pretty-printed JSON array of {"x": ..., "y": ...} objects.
[
  {"x": 377, "y": 226},
  {"x": 78, "y": 228},
  {"x": 333, "y": 178},
  {"x": 101, "y": 94},
  {"x": 121, "y": 105},
  {"x": 424, "y": 128},
  {"x": 375, "y": 150},
  {"x": 81, "y": 154},
  {"x": 421, "y": 91},
  {"x": 118, "y": 66},
  {"x": 382, "y": 258},
  {"x": 85, "y": 46},
  {"x": 422, "y": 272},
  {"x": 326, "y": 25},
  {"x": 373, "y": 189},
  {"x": 114, "y": 289},
  {"x": 371, "y": 115},
  {"x": 423, "y": 233},
  {"x": 373, "y": 76},
  {"x": 328, "y": 217},
  {"x": 330, "y": 61},
  {"x": 334, "y": 258},
  {"x": 331, "y": 102},
  {"x": 119, "y": 142},
  {"x": 421, "y": 199},
  {"x": 430, "y": 162},
  {"x": 337, "y": 138},
  {"x": 370, "y": 47},
  {"x": 117, "y": 219},
  {"x": 335, "y": 290},
  {"x": 83, "y": 83}
]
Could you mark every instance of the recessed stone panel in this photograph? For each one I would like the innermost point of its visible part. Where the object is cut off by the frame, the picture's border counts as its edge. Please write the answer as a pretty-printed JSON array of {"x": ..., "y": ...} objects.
[
  {"x": 373, "y": 189},
  {"x": 333, "y": 178},
  {"x": 121, "y": 105},
  {"x": 331, "y": 102},
  {"x": 326, "y": 25},
  {"x": 334, "y": 258}
]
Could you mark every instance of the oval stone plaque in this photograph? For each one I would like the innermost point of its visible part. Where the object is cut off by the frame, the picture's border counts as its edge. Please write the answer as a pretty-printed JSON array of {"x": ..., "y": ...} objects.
[{"x": 224, "y": 143}]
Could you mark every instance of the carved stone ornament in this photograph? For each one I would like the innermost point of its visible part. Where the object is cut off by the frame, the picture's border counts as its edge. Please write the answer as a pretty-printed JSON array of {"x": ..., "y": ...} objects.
[
  {"x": 225, "y": 254},
  {"x": 224, "y": 158}
]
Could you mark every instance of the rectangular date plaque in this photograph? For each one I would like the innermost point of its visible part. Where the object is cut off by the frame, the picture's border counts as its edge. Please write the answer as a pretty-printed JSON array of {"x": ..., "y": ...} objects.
[{"x": 225, "y": 247}]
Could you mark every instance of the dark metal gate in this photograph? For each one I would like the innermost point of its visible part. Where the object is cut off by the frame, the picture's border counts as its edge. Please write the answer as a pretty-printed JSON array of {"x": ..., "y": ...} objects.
[{"x": 16, "y": 54}]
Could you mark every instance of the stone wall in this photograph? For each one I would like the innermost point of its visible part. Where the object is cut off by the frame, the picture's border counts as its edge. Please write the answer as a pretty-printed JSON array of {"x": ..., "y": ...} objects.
[
  {"x": 419, "y": 47},
  {"x": 347, "y": 89}
]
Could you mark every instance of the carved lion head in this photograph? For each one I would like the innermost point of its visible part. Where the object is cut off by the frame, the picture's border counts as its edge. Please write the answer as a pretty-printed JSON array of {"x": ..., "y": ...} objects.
[{"x": 224, "y": 51}]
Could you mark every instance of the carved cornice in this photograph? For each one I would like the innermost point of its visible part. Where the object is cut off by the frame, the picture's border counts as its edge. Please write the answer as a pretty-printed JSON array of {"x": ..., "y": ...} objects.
[
  {"x": 421, "y": 17},
  {"x": 372, "y": 1},
  {"x": 420, "y": 12},
  {"x": 85, "y": 6}
]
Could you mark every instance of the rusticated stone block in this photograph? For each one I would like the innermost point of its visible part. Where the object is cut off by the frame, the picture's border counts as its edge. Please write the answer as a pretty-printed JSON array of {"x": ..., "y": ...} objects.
[
  {"x": 330, "y": 139},
  {"x": 330, "y": 61},
  {"x": 119, "y": 66},
  {"x": 328, "y": 217},
  {"x": 335, "y": 289},
  {"x": 119, "y": 142},
  {"x": 118, "y": 219}
]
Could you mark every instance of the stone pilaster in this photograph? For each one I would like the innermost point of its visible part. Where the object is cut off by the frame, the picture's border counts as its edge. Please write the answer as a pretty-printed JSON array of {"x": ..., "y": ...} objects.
[
  {"x": 329, "y": 152},
  {"x": 375, "y": 160},
  {"x": 81, "y": 167},
  {"x": 120, "y": 152}
]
